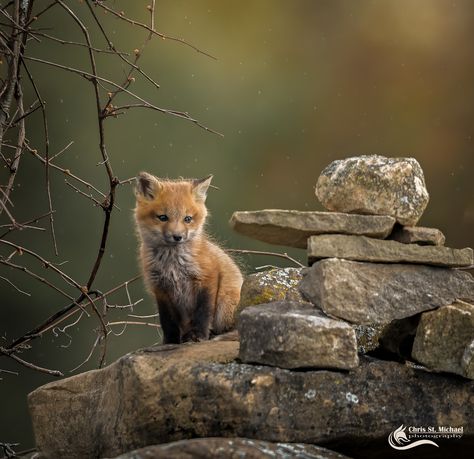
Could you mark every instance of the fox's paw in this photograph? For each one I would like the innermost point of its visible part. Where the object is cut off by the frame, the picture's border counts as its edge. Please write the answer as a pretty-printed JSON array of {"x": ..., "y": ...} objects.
[{"x": 195, "y": 336}]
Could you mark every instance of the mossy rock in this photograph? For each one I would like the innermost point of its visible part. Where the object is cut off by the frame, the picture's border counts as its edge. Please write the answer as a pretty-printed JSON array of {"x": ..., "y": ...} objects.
[
  {"x": 277, "y": 284},
  {"x": 281, "y": 284}
]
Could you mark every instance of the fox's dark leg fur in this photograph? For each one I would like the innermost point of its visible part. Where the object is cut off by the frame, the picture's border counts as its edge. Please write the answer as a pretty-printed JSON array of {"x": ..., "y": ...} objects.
[
  {"x": 169, "y": 325},
  {"x": 201, "y": 318}
]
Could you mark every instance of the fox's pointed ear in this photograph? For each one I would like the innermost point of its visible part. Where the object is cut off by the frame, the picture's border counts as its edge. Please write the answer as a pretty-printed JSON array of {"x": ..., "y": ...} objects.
[
  {"x": 200, "y": 187},
  {"x": 147, "y": 185}
]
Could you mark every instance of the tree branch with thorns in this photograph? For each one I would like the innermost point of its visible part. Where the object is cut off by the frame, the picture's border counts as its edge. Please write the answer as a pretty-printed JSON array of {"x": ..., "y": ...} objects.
[
  {"x": 112, "y": 97},
  {"x": 23, "y": 23}
]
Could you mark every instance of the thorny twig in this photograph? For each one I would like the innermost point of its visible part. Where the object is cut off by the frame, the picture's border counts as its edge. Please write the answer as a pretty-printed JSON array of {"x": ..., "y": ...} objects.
[
  {"x": 14, "y": 37},
  {"x": 151, "y": 29}
]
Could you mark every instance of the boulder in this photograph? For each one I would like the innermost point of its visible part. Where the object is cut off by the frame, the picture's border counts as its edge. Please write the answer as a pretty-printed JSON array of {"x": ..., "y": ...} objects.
[
  {"x": 444, "y": 339},
  {"x": 375, "y": 185},
  {"x": 417, "y": 235},
  {"x": 294, "y": 335},
  {"x": 361, "y": 248},
  {"x": 279, "y": 284},
  {"x": 292, "y": 227},
  {"x": 377, "y": 293},
  {"x": 176, "y": 392},
  {"x": 224, "y": 448},
  {"x": 282, "y": 284}
]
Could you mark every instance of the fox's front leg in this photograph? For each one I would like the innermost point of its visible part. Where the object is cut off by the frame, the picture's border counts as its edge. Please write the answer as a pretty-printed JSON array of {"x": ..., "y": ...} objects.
[
  {"x": 201, "y": 318},
  {"x": 169, "y": 324}
]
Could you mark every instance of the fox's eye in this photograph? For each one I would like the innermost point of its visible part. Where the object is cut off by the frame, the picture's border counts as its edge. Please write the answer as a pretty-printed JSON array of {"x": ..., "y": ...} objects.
[
  {"x": 188, "y": 219},
  {"x": 162, "y": 218}
]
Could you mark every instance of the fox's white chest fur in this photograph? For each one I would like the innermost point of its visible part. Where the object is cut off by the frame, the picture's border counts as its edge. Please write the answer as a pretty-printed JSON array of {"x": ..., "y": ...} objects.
[{"x": 173, "y": 270}]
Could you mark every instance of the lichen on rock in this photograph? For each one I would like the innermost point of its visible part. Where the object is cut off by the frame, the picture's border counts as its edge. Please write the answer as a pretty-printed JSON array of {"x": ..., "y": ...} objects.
[{"x": 279, "y": 284}]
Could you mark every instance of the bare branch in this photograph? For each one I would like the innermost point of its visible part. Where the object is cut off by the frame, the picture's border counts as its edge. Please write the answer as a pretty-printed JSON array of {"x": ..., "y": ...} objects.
[
  {"x": 15, "y": 109},
  {"x": 26, "y": 224},
  {"x": 127, "y": 322},
  {"x": 133, "y": 65},
  {"x": 60, "y": 152},
  {"x": 88, "y": 76},
  {"x": 272, "y": 254},
  {"x": 94, "y": 346},
  {"x": 32, "y": 366},
  {"x": 64, "y": 314},
  {"x": 151, "y": 29},
  {"x": 75, "y": 43},
  {"x": 7, "y": 262},
  {"x": 88, "y": 196},
  {"x": 66, "y": 172},
  {"x": 14, "y": 286},
  {"x": 47, "y": 161}
]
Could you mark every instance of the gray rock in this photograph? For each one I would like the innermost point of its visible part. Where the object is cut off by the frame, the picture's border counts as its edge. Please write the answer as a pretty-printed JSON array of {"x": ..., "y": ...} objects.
[
  {"x": 375, "y": 185},
  {"x": 292, "y": 227},
  {"x": 444, "y": 339},
  {"x": 417, "y": 235},
  {"x": 293, "y": 335},
  {"x": 282, "y": 284},
  {"x": 361, "y": 248},
  {"x": 225, "y": 448},
  {"x": 367, "y": 293},
  {"x": 279, "y": 284},
  {"x": 170, "y": 393}
]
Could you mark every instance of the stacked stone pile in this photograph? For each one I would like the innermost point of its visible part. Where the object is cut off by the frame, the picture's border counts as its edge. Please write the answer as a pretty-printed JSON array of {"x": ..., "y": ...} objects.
[
  {"x": 374, "y": 275},
  {"x": 314, "y": 367}
]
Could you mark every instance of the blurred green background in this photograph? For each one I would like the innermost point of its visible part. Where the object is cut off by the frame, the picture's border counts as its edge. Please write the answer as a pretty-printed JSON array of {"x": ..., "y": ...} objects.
[{"x": 295, "y": 85}]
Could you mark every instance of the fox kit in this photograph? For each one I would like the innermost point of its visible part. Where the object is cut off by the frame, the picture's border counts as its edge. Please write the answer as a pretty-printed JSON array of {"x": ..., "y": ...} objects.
[{"x": 195, "y": 283}]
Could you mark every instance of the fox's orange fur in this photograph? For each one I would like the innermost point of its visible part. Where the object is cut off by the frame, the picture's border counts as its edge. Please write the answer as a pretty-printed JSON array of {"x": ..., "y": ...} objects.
[{"x": 196, "y": 284}]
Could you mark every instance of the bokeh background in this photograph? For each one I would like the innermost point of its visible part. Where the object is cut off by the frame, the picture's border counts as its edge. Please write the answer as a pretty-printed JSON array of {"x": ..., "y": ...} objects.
[{"x": 295, "y": 86}]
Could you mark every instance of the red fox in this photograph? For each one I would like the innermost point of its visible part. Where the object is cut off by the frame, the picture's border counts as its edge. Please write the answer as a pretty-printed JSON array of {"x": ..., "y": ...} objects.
[{"x": 195, "y": 283}]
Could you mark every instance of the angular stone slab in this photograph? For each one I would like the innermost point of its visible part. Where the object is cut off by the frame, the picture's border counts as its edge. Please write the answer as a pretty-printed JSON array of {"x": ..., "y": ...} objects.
[
  {"x": 223, "y": 448},
  {"x": 444, "y": 339},
  {"x": 293, "y": 227},
  {"x": 366, "y": 293},
  {"x": 418, "y": 235},
  {"x": 292, "y": 335},
  {"x": 373, "y": 184},
  {"x": 282, "y": 284},
  {"x": 361, "y": 248},
  {"x": 171, "y": 393},
  {"x": 279, "y": 284}
]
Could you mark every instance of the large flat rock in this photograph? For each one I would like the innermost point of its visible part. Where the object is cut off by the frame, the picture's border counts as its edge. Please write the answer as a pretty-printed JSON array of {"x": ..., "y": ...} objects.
[
  {"x": 418, "y": 235},
  {"x": 225, "y": 448},
  {"x": 444, "y": 339},
  {"x": 294, "y": 335},
  {"x": 361, "y": 248},
  {"x": 367, "y": 293},
  {"x": 282, "y": 284},
  {"x": 374, "y": 184},
  {"x": 293, "y": 227},
  {"x": 169, "y": 393}
]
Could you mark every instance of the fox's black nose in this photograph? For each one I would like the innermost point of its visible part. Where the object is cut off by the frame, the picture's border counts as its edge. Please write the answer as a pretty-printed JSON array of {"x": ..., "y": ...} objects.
[{"x": 177, "y": 238}]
